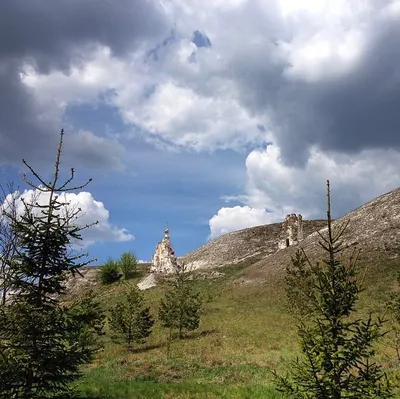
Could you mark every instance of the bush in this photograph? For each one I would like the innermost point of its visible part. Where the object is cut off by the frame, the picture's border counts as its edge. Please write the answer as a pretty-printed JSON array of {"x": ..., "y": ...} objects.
[
  {"x": 128, "y": 264},
  {"x": 110, "y": 273}
]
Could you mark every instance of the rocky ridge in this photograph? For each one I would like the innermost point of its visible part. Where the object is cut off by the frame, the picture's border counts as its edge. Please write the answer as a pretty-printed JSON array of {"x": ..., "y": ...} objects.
[
  {"x": 373, "y": 230},
  {"x": 235, "y": 247}
]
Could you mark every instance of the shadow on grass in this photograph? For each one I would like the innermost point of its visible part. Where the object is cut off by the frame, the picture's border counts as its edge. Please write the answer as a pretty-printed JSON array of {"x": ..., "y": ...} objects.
[
  {"x": 190, "y": 336},
  {"x": 77, "y": 395},
  {"x": 144, "y": 349},
  {"x": 199, "y": 334}
]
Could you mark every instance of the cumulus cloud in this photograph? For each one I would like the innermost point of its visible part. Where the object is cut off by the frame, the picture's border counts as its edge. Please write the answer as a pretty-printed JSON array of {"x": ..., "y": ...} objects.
[
  {"x": 59, "y": 37},
  {"x": 91, "y": 211},
  {"x": 313, "y": 73},
  {"x": 318, "y": 79},
  {"x": 174, "y": 112},
  {"x": 275, "y": 189},
  {"x": 236, "y": 218}
]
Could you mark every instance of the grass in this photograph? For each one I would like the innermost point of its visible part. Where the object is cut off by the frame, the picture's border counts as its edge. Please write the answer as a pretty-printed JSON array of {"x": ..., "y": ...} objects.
[{"x": 245, "y": 334}]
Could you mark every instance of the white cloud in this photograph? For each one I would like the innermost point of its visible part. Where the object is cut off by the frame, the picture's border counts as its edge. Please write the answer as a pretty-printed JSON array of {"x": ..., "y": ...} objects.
[
  {"x": 284, "y": 66},
  {"x": 155, "y": 101},
  {"x": 185, "y": 118},
  {"x": 236, "y": 218},
  {"x": 321, "y": 57},
  {"x": 281, "y": 189},
  {"x": 91, "y": 211}
]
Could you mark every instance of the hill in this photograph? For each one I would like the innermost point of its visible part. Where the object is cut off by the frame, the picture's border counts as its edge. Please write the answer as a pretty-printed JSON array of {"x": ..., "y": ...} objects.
[
  {"x": 245, "y": 329},
  {"x": 373, "y": 232},
  {"x": 249, "y": 244}
]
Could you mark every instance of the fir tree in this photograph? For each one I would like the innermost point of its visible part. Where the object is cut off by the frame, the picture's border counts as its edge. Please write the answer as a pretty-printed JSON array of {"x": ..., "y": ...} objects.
[
  {"x": 41, "y": 341},
  {"x": 8, "y": 240},
  {"x": 86, "y": 319},
  {"x": 180, "y": 309},
  {"x": 130, "y": 320},
  {"x": 337, "y": 348}
]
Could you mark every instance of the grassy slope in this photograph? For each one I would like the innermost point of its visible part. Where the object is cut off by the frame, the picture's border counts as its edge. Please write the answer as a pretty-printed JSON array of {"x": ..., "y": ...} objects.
[{"x": 245, "y": 332}]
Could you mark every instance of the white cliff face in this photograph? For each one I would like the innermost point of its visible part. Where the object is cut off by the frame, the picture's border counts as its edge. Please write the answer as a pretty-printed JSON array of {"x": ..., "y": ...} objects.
[
  {"x": 164, "y": 259},
  {"x": 292, "y": 231}
]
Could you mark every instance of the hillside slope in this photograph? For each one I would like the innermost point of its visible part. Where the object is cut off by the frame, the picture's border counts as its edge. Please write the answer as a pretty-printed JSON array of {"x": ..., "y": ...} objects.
[
  {"x": 254, "y": 242},
  {"x": 373, "y": 231},
  {"x": 245, "y": 330}
]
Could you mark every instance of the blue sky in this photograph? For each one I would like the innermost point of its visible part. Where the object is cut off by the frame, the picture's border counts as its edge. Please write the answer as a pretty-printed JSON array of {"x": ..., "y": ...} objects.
[{"x": 210, "y": 116}]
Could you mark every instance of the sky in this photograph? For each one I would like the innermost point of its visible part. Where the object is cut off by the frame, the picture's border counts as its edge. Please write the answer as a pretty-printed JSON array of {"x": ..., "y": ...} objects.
[{"x": 204, "y": 116}]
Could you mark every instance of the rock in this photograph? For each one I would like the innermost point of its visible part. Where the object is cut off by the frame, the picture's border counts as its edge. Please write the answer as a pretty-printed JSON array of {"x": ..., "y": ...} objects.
[
  {"x": 147, "y": 282},
  {"x": 164, "y": 260},
  {"x": 247, "y": 245},
  {"x": 292, "y": 231}
]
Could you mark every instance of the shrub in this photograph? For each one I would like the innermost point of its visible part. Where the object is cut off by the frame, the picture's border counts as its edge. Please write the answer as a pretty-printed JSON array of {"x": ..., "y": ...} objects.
[{"x": 110, "y": 273}]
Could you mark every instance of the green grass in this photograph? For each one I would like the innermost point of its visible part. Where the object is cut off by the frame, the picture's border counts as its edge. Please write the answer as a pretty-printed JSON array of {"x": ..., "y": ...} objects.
[{"x": 245, "y": 334}]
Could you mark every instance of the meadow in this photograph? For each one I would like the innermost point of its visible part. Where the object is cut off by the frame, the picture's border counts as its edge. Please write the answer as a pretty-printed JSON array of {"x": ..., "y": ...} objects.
[{"x": 245, "y": 334}]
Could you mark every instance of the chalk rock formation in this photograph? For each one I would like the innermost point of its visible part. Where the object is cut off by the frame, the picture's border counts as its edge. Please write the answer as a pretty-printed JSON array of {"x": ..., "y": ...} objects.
[
  {"x": 292, "y": 231},
  {"x": 164, "y": 259},
  {"x": 147, "y": 282}
]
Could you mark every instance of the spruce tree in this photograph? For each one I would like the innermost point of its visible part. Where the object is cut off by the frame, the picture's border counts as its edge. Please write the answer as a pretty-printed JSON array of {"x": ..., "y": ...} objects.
[
  {"x": 41, "y": 345},
  {"x": 8, "y": 240},
  {"x": 180, "y": 309},
  {"x": 337, "y": 347},
  {"x": 130, "y": 320}
]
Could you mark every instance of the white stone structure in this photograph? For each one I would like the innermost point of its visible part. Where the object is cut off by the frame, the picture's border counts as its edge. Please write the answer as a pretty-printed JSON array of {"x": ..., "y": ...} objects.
[
  {"x": 164, "y": 259},
  {"x": 292, "y": 231}
]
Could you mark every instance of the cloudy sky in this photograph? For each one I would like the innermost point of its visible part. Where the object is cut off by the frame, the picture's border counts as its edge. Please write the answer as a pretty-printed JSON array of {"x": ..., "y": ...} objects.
[{"x": 208, "y": 116}]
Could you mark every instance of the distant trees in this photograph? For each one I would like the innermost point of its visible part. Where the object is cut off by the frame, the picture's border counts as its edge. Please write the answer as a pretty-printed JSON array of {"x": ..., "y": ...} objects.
[
  {"x": 130, "y": 319},
  {"x": 180, "y": 309},
  {"x": 337, "y": 348},
  {"x": 110, "y": 272},
  {"x": 42, "y": 343},
  {"x": 128, "y": 264}
]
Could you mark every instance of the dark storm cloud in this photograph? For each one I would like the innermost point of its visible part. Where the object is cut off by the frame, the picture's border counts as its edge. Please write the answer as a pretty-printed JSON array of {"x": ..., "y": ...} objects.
[
  {"x": 355, "y": 111},
  {"x": 363, "y": 109},
  {"x": 49, "y": 31},
  {"x": 54, "y": 34}
]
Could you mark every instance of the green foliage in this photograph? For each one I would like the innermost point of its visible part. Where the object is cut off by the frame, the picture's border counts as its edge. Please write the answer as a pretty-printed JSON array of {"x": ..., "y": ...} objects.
[
  {"x": 110, "y": 272},
  {"x": 337, "y": 348},
  {"x": 86, "y": 320},
  {"x": 41, "y": 342},
  {"x": 180, "y": 309},
  {"x": 393, "y": 307},
  {"x": 8, "y": 240},
  {"x": 130, "y": 320},
  {"x": 128, "y": 264}
]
